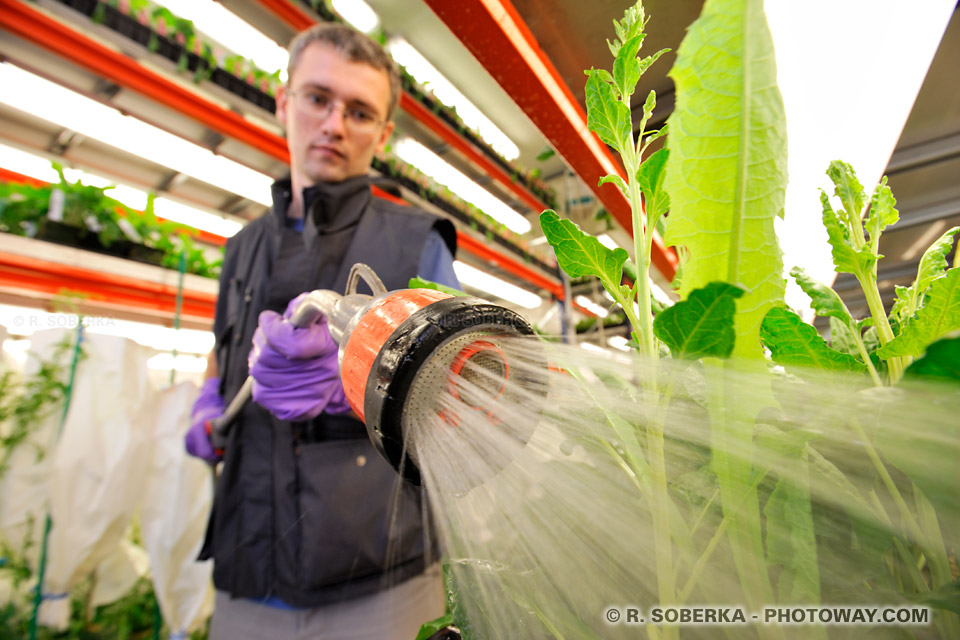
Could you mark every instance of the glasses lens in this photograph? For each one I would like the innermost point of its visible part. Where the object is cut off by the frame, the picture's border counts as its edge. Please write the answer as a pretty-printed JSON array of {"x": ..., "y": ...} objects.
[{"x": 321, "y": 104}]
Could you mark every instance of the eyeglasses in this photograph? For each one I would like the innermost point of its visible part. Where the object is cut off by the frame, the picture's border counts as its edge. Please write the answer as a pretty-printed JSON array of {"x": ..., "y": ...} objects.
[{"x": 320, "y": 104}]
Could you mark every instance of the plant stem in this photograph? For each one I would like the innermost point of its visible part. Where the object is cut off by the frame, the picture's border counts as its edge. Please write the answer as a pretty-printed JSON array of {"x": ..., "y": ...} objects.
[
  {"x": 868, "y": 282},
  {"x": 866, "y": 356}
]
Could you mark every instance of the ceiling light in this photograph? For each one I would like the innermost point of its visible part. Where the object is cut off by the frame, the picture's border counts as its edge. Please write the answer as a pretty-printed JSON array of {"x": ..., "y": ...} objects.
[
  {"x": 68, "y": 109},
  {"x": 477, "y": 279},
  {"x": 358, "y": 13},
  {"x": 427, "y": 75},
  {"x": 592, "y": 306},
  {"x": 619, "y": 342},
  {"x": 215, "y": 20},
  {"x": 39, "y": 168},
  {"x": 428, "y": 162}
]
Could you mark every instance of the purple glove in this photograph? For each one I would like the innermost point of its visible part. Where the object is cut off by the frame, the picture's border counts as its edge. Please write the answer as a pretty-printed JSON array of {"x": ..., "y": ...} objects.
[
  {"x": 294, "y": 369},
  {"x": 209, "y": 406}
]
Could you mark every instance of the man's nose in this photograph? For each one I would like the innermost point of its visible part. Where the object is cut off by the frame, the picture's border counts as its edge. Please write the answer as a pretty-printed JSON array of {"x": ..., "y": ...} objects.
[{"x": 334, "y": 121}]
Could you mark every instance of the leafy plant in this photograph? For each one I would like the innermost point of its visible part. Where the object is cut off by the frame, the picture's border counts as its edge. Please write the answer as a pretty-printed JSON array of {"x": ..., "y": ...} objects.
[
  {"x": 25, "y": 209},
  {"x": 722, "y": 178}
]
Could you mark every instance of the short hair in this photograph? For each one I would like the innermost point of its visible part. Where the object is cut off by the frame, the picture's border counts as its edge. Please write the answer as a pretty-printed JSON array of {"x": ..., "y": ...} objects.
[{"x": 352, "y": 45}]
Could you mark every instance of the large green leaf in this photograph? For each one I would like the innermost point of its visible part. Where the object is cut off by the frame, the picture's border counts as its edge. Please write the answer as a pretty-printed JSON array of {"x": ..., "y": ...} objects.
[
  {"x": 938, "y": 317},
  {"x": 941, "y": 361},
  {"x": 727, "y": 170},
  {"x": 606, "y": 115},
  {"x": 702, "y": 325},
  {"x": 791, "y": 542},
  {"x": 580, "y": 254},
  {"x": 794, "y": 343}
]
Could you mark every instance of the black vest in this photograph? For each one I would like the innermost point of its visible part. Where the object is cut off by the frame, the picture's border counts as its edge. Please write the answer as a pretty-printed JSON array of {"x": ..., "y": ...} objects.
[{"x": 309, "y": 512}]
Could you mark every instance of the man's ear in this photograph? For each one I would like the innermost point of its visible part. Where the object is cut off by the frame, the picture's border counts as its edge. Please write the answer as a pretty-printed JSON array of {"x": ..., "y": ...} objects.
[
  {"x": 385, "y": 136},
  {"x": 282, "y": 100}
]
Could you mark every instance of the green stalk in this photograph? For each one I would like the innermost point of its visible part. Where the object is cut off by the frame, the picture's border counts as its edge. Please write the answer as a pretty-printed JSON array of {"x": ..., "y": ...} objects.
[
  {"x": 866, "y": 358},
  {"x": 868, "y": 282}
]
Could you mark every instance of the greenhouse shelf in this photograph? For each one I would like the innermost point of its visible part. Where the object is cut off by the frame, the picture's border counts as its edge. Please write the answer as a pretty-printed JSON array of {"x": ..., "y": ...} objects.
[
  {"x": 496, "y": 35},
  {"x": 35, "y": 26},
  {"x": 103, "y": 285}
]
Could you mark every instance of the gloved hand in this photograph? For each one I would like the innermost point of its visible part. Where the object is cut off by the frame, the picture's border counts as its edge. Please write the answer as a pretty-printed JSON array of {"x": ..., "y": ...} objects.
[
  {"x": 209, "y": 406},
  {"x": 294, "y": 369}
]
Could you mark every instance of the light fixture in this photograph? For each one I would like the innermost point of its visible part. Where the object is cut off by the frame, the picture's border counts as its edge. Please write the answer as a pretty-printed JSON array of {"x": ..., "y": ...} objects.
[
  {"x": 427, "y": 75},
  {"x": 48, "y": 101},
  {"x": 412, "y": 152},
  {"x": 39, "y": 168},
  {"x": 358, "y": 13},
  {"x": 25, "y": 321},
  {"x": 473, "y": 277},
  {"x": 619, "y": 342},
  {"x": 234, "y": 33},
  {"x": 592, "y": 306}
]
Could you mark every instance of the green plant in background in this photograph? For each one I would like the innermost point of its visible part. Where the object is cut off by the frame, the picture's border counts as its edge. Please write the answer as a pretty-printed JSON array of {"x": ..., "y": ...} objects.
[
  {"x": 723, "y": 177},
  {"x": 26, "y": 402},
  {"x": 25, "y": 210}
]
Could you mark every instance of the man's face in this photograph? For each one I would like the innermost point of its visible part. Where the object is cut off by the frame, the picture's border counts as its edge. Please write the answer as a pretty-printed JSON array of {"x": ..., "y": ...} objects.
[{"x": 327, "y": 149}]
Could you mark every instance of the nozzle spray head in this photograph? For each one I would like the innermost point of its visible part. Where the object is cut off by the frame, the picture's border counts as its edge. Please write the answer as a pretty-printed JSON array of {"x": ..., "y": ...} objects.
[{"x": 414, "y": 345}]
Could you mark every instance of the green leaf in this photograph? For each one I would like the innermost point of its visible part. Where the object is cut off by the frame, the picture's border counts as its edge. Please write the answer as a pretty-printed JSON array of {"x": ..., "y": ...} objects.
[
  {"x": 606, "y": 116},
  {"x": 430, "y": 628},
  {"x": 791, "y": 542},
  {"x": 848, "y": 189},
  {"x": 626, "y": 68},
  {"x": 727, "y": 170},
  {"x": 932, "y": 265},
  {"x": 941, "y": 361},
  {"x": 650, "y": 177},
  {"x": 649, "y": 60},
  {"x": 846, "y": 258},
  {"x": 823, "y": 299},
  {"x": 546, "y": 154},
  {"x": 794, "y": 343},
  {"x": 934, "y": 261},
  {"x": 420, "y": 283},
  {"x": 617, "y": 180},
  {"x": 702, "y": 325},
  {"x": 938, "y": 317},
  {"x": 842, "y": 337},
  {"x": 580, "y": 254},
  {"x": 883, "y": 211}
]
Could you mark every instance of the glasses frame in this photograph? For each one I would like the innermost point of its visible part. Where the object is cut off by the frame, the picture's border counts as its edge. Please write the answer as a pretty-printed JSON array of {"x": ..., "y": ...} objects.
[{"x": 335, "y": 103}]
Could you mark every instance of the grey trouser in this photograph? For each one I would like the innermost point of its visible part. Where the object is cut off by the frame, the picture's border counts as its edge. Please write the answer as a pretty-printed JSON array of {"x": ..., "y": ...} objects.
[{"x": 394, "y": 614}]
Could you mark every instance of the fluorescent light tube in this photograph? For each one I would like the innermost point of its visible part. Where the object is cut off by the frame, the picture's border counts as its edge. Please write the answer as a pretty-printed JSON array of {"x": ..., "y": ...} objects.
[
  {"x": 477, "y": 279},
  {"x": 68, "y": 109},
  {"x": 24, "y": 321},
  {"x": 234, "y": 33},
  {"x": 358, "y": 13},
  {"x": 592, "y": 306},
  {"x": 427, "y": 75},
  {"x": 412, "y": 152},
  {"x": 619, "y": 342},
  {"x": 39, "y": 168}
]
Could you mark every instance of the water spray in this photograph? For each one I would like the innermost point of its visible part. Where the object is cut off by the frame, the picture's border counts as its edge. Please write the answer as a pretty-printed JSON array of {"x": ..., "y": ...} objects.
[{"x": 400, "y": 351}]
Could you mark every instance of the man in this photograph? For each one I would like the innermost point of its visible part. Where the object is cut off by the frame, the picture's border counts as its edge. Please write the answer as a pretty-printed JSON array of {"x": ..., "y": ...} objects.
[{"x": 312, "y": 534}]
